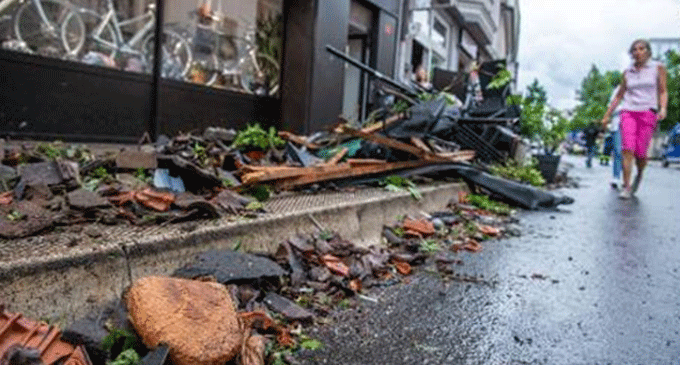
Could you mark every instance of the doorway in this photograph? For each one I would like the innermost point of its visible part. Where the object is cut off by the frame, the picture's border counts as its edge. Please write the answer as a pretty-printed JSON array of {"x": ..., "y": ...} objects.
[{"x": 354, "y": 97}]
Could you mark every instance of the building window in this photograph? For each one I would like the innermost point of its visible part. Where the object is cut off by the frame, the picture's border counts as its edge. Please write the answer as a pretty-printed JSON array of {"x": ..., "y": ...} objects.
[
  {"x": 219, "y": 43},
  {"x": 434, "y": 39}
]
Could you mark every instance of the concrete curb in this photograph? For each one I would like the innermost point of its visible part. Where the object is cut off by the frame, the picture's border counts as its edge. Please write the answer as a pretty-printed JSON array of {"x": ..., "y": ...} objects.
[{"x": 64, "y": 288}]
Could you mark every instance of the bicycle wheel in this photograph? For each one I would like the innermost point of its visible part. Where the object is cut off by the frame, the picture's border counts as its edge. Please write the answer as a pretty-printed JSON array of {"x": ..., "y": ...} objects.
[
  {"x": 48, "y": 38},
  {"x": 260, "y": 75},
  {"x": 204, "y": 69},
  {"x": 106, "y": 43},
  {"x": 176, "y": 54}
]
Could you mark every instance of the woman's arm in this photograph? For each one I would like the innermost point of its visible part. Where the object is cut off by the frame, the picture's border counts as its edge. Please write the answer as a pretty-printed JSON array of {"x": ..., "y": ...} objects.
[
  {"x": 615, "y": 102},
  {"x": 663, "y": 93}
]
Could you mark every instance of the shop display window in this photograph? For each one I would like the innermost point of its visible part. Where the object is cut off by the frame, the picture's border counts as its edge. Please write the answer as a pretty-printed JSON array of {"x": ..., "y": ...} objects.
[{"x": 228, "y": 44}]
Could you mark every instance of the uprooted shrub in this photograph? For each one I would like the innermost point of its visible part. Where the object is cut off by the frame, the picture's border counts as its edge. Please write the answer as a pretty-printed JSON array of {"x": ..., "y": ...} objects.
[{"x": 520, "y": 171}]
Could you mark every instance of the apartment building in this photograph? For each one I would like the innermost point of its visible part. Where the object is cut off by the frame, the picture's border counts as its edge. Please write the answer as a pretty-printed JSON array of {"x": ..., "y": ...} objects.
[{"x": 450, "y": 34}]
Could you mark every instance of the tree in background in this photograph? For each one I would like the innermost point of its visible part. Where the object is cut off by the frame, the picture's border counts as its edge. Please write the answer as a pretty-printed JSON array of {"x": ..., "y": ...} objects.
[
  {"x": 538, "y": 121},
  {"x": 536, "y": 93},
  {"x": 673, "y": 82},
  {"x": 596, "y": 89},
  {"x": 533, "y": 107}
]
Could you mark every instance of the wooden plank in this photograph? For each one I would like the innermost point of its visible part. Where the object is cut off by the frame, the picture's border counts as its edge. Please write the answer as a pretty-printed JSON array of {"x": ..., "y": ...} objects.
[
  {"x": 420, "y": 144},
  {"x": 298, "y": 139},
  {"x": 385, "y": 141},
  {"x": 338, "y": 156},
  {"x": 348, "y": 171},
  {"x": 380, "y": 125},
  {"x": 289, "y": 177},
  {"x": 364, "y": 161}
]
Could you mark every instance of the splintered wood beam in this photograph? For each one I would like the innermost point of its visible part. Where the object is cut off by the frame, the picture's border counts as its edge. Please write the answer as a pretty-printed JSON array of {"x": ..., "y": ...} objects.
[
  {"x": 298, "y": 139},
  {"x": 364, "y": 161},
  {"x": 420, "y": 144},
  {"x": 385, "y": 141},
  {"x": 382, "y": 124},
  {"x": 397, "y": 145},
  {"x": 345, "y": 170},
  {"x": 338, "y": 156}
]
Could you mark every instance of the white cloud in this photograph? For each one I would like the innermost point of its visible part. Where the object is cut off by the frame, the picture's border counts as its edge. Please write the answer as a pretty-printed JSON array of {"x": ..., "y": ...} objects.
[{"x": 560, "y": 40}]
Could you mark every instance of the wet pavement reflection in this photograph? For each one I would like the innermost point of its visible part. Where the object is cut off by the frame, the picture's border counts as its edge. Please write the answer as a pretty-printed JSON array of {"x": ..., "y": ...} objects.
[{"x": 595, "y": 282}]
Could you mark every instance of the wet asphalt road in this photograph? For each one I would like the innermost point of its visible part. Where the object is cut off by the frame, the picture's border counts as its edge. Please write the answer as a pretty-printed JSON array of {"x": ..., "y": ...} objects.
[{"x": 595, "y": 282}]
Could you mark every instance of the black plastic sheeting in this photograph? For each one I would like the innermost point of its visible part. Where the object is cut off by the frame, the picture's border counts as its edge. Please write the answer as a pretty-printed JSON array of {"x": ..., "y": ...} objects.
[{"x": 511, "y": 192}]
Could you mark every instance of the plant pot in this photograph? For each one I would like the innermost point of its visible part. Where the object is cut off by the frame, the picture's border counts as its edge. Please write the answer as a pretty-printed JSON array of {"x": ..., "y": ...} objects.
[{"x": 547, "y": 165}]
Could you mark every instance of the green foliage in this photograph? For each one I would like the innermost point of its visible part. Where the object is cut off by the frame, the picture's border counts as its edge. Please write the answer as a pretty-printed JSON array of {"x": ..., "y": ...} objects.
[
  {"x": 260, "y": 192},
  {"x": 51, "y": 150},
  {"x": 127, "y": 357},
  {"x": 500, "y": 79},
  {"x": 201, "y": 154},
  {"x": 253, "y": 136},
  {"x": 15, "y": 215},
  {"x": 310, "y": 343},
  {"x": 255, "y": 206},
  {"x": 398, "y": 183},
  {"x": 594, "y": 94},
  {"x": 673, "y": 84},
  {"x": 143, "y": 175},
  {"x": 484, "y": 202},
  {"x": 115, "y": 336},
  {"x": 100, "y": 173},
  {"x": 269, "y": 41},
  {"x": 58, "y": 149},
  {"x": 400, "y": 106},
  {"x": 326, "y": 235},
  {"x": 538, "y": 120},
  {"x": 536, "y": 93},
  {"x": 516, "y": 170},
  {"x": 533, "y": 107},
  {"x": 554, "y": 130},
  {"x": 429, "y": 246},
  {"x": 344, "y": 304}
]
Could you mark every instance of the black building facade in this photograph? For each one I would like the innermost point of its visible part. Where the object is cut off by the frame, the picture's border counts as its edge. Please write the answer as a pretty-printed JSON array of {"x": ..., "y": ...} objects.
[{"x": 48, "y": 97}]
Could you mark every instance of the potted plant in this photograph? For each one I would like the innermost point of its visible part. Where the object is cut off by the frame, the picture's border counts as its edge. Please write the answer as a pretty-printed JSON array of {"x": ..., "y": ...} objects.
[
  {"x": 543, "y": 125},
  {"x": 552, "y": 132}
]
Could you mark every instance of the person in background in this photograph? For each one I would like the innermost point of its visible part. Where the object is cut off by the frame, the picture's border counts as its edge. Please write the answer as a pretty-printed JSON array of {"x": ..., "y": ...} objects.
[
  {"x": 590, "y": 135},
  {"x": 423, "y": 79},
  {"x": 607, "y": 147},
  {"x": 645, "y": 99},
  {"x": 616, "y": 143}
]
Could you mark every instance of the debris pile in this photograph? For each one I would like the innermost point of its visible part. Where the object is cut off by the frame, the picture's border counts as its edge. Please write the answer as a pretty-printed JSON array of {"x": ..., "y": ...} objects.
[
  {"x": 253, "y": 309},
  {"x": 184, "y": 178}
]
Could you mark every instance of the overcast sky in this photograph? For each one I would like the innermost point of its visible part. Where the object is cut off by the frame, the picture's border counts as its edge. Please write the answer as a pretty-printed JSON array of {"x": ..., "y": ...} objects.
[{"x": 561, "y": 39}]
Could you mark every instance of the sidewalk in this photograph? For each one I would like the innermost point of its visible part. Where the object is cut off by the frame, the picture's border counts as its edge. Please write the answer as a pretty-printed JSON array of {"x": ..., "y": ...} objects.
[{"x": 65, "y": 274}]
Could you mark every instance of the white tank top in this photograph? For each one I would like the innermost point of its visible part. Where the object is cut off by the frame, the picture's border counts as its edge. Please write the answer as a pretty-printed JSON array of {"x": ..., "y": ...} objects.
[{"x": 642, "y": 91}]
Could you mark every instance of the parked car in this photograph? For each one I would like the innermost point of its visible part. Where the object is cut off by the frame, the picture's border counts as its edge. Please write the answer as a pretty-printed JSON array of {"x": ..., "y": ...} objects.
[{"x": 671, "y": 148}]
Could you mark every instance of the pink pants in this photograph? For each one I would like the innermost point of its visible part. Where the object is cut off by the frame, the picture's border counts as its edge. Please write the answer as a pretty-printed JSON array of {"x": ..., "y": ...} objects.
[{"x": 636, "y": 131}]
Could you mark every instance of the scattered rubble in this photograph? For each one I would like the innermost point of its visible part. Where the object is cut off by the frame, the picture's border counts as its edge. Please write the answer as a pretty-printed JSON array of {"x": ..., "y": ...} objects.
[
  {"x": 23, "y": 341},
  {"x": 197, "y": 176},
  {"x": 251, "y": 309}
]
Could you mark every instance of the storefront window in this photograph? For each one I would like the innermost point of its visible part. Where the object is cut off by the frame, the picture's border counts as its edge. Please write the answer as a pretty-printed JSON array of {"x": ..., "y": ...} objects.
[{"x": 234, "y": 45}]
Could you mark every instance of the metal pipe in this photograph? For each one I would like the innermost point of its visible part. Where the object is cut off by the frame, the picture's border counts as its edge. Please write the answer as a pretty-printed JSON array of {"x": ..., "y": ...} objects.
[
  {"x": 154, "y": 122},
  {"x": 370, "y": 71}
]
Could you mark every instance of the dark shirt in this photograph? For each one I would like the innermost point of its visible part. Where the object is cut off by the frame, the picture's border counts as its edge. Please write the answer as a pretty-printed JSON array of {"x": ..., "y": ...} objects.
[{"x": 590, "y": 135}]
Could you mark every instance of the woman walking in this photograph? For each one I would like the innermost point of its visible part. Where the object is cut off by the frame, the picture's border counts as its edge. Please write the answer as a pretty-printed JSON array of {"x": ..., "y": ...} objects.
[{"x": 645, "y": 98}]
